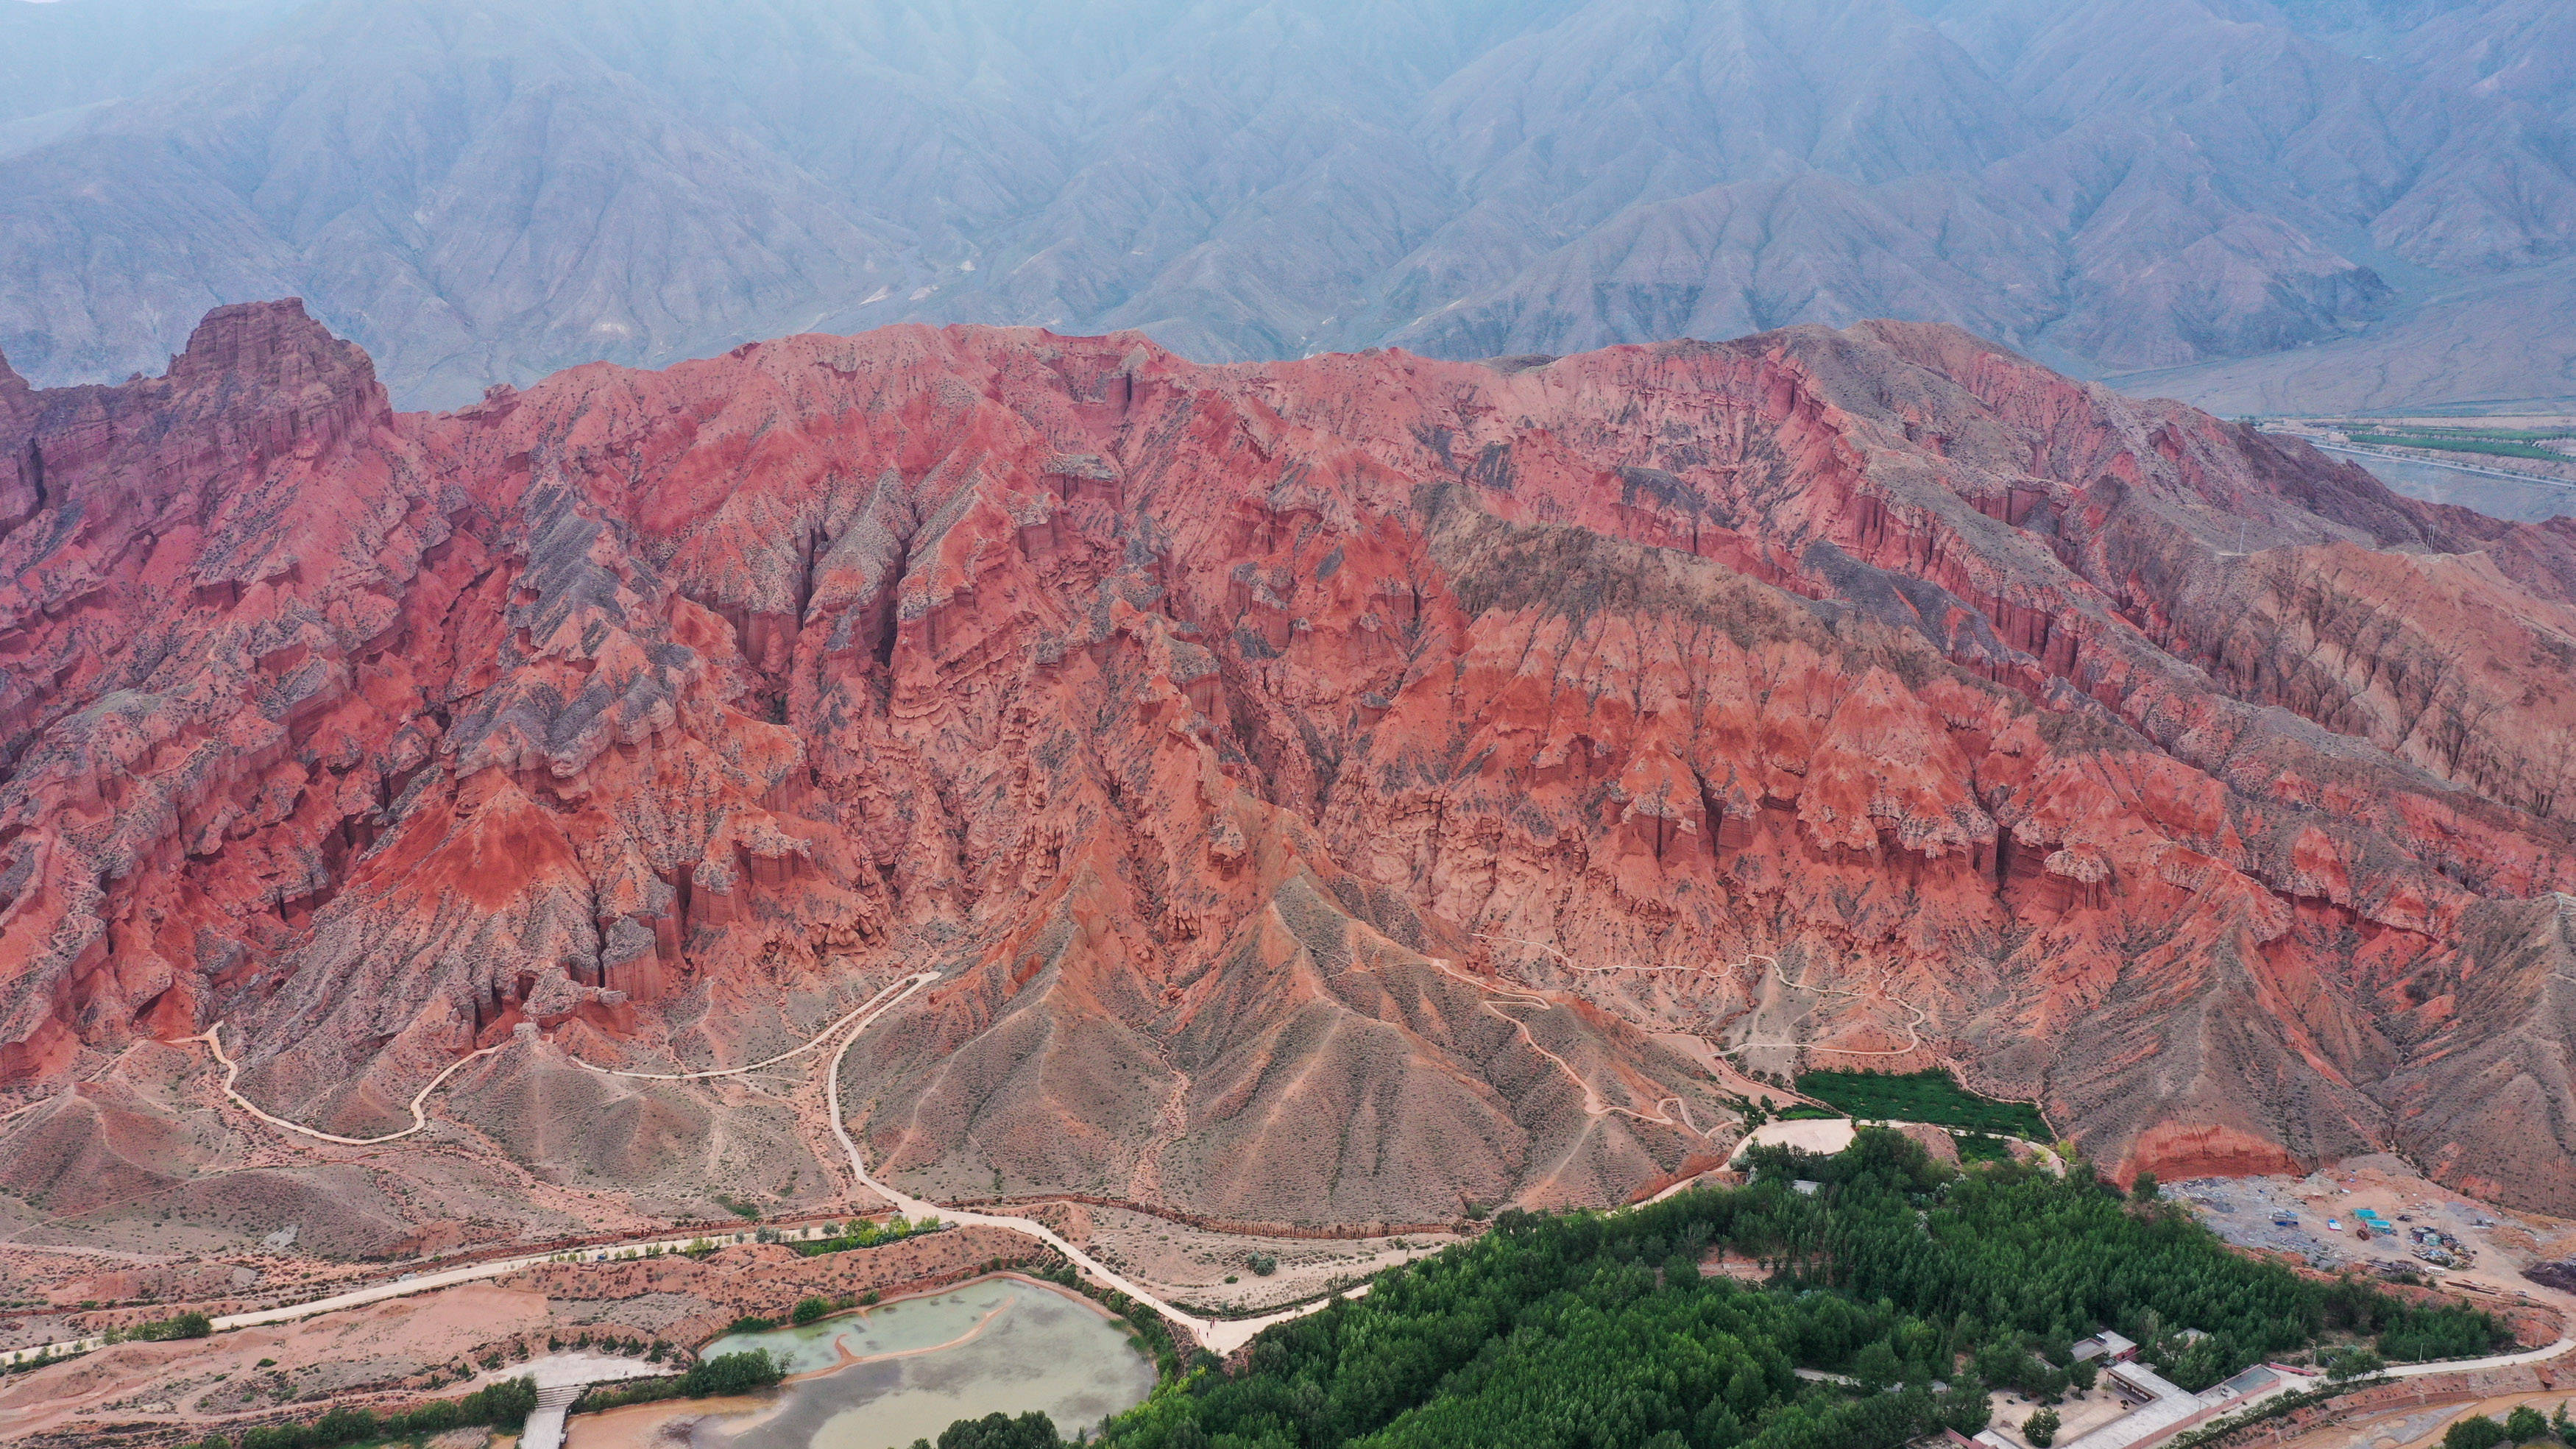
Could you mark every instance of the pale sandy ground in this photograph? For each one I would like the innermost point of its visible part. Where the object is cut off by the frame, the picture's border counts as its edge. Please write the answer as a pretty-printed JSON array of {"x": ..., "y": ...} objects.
[
  {"x": 553, "y": 1369},
  {"x": 2510, "y": 1242},
  {"x": 650, "y": 1426},
  {"x": 2078, "y": 1414},
  {"x": 1814, "y": 1135},
  {"x": 67, "y": 1276},
  {"x": 1190, "y": 1265},
  {"x": 169, "y": 1382},
  {"x": 1742, "y": 1270},
  {"x": 1827, "y": 1136},
  {"x": 2415, "y": 1427}
]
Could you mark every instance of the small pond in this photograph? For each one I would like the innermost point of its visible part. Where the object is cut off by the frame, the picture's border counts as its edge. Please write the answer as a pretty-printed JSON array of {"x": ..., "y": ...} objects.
[{"x": 913, "y": 1367}]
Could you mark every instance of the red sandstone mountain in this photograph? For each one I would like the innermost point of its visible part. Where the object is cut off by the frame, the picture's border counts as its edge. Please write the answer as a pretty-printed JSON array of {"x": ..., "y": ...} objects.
[{"x": 1236, "y": 740}]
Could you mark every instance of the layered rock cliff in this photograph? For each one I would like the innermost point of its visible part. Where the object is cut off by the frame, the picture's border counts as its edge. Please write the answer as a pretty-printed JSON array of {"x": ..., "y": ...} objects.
[{"x": 1339, "y": 790}]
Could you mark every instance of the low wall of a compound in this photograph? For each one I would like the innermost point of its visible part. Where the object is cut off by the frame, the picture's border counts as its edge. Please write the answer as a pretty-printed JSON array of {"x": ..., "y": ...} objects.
[{"x": 2431, "y": 1389}]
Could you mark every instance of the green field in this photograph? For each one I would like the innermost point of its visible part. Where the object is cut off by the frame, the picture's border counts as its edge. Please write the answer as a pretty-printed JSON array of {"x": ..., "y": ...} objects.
[
  {"x": 1932, "y": 1096},
  {"x": 1980, "y": 1148},
  {"x": 2492, "y": 447},
  {"x": 2500, "y": 435}
]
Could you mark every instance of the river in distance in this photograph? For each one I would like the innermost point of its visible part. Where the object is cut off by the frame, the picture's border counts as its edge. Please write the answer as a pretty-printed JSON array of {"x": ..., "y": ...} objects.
[{"x": 2494, "y": 497}]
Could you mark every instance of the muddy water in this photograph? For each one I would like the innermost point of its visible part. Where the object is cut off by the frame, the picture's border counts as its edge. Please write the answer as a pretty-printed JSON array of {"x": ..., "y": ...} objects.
[{"x": 923, "y": 1363}]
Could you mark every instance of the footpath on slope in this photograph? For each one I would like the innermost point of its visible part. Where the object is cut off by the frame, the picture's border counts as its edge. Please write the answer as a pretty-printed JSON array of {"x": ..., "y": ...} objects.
[
  {"x": 1220, "y": 1336},
  {"x": 863, "y": 1009},
  {"x": 1593, "y": 1105},
  {"x": 1217, "y": 1335},
  {"x": 214, "y": 1039}
]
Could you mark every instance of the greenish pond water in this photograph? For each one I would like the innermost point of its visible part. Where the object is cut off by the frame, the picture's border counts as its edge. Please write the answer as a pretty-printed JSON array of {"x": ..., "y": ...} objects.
[{"x": 1023, "y": 1347}]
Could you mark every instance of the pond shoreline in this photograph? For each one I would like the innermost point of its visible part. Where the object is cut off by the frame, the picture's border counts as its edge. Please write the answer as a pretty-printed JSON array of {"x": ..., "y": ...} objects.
[
  {"x": 849, "y": 1360},
  {"x": 887, "y": 1373}
]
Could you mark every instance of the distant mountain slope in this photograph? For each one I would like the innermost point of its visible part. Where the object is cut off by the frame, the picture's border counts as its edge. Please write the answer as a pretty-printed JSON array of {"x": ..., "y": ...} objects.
[
  {"x": 484, "y": 192},
  {"x": 2491, "y": 340},
  {"x": 63, "y": 54}
]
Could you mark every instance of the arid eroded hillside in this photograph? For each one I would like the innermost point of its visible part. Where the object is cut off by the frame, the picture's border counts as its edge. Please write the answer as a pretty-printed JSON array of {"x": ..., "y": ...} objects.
[{"x": 1336, "y": 791}]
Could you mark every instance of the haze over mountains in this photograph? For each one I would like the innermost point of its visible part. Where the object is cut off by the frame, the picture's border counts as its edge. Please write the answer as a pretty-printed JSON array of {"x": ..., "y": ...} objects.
[{"x": 2311, "y": 204}]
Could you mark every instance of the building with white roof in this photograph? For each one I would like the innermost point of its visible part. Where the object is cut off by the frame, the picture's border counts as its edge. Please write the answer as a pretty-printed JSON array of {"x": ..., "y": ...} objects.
[
  {"x": 2159, "y": 1408},
  {"x": 2106, "y": 1346}
]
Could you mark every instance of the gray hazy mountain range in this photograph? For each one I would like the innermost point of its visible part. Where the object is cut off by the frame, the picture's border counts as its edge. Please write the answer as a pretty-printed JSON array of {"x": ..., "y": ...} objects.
[{"x": 2257, "y": 205}]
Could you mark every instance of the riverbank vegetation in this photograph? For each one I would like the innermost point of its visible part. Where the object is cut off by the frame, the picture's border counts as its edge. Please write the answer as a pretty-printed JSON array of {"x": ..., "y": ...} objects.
[
  {"x": 868, "y": 1233},
  {"x": 191, "y": 1324},
  {"x": 504, "y": 1405},
  {"x": 725, "y": 1374}
]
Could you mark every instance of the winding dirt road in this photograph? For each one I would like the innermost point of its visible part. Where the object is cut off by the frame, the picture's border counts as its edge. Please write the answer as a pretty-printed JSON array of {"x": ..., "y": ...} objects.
[
  {"x": 1593, "y": 1105},
  {"x": 862, "y": 1009},
  {"x": 1217, "y": 1335},
  {"x": 1913, "y": 1029},
  {"x": 1914, "y": 1037},
  {"x": 213, "y": 1038}
]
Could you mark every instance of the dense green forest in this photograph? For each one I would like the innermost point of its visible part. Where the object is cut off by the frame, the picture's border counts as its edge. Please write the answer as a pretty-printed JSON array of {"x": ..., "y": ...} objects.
[
  {"x": 1929, "y": 1096},
  {"x": 1598, "y": 1331}
]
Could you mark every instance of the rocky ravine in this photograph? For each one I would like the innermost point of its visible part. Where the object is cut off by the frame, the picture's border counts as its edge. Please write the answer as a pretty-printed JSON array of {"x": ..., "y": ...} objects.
[{"x": 1238, "y": 740}]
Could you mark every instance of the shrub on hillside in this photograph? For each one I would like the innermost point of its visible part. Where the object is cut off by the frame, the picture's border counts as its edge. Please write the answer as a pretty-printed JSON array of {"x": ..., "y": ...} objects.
[
  {"x": 191, "y": 1324},
  {"x": 504, "y": 1405},
  {"x": 731, "y": 1373}
]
